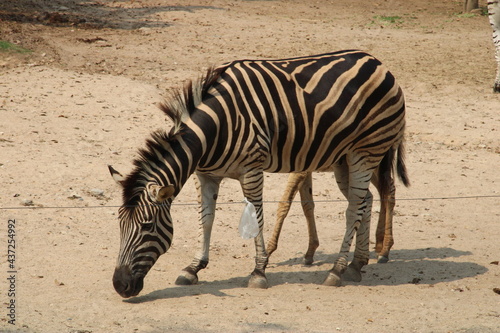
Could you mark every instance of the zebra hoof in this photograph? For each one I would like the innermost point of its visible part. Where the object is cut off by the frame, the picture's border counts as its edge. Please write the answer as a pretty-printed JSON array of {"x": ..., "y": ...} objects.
[
  {"x": 352, "y": 274},
  {"x": 382, "y": 259},
  {"x": 186, "y": 279},
  {"x": 308, "y": 261},
  {"x": 333, "y": 280},
  {"x": 258, "y": 281}
]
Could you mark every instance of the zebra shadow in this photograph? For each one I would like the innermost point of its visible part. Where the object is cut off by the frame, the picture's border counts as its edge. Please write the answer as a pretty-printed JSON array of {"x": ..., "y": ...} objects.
[
  {"x": 214, "y": 288},
  {"x": 418, "y": 266},
  {"x": 321, "y": 257}
]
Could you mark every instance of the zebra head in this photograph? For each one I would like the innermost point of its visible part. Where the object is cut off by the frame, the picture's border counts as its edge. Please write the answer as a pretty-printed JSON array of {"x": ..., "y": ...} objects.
[{"x": 146, "y": 230}]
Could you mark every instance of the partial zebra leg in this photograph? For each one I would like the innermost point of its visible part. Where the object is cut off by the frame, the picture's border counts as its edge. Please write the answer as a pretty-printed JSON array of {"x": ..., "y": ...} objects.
[
  {"x": 252, "y": 185},
  {"x": 295, "y": 180},
  {"x": 494, "y": 16},
  {"x": 354, "y": 183},
  {"x": 302, "y": 182},
  {"x": 361, "y": 251},
  {"x": 384, "y": 236},
  {"x": 208, "y": 189},
  {"x": 306, "y": 198}
]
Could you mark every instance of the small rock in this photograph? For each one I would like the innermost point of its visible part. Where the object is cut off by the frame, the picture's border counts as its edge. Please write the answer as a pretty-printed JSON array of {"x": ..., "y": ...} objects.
[
  {"x": 95, "y": 192},
  {"x": 27, "y": 202},
  {"x": 75, "y": 196},
  {"x": 145, "y": 31}
]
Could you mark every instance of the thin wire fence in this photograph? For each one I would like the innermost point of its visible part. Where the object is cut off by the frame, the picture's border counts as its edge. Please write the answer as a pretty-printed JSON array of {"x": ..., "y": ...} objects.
[{"x": 263, "y": 202}]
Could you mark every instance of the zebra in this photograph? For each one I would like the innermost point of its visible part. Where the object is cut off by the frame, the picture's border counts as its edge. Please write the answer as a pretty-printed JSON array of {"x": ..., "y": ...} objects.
[
  {"x": 494, "y": 15},
  {"x": 340, "y": 111},
  {"x": 302, "y": 182}
]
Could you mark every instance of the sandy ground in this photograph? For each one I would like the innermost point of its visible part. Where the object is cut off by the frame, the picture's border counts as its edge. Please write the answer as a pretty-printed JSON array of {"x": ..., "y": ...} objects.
[{"x": 86, "y": 97}]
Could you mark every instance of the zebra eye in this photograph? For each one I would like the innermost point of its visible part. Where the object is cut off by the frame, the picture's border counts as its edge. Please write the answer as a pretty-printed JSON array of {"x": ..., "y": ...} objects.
[{"x": 147, "y": 226}]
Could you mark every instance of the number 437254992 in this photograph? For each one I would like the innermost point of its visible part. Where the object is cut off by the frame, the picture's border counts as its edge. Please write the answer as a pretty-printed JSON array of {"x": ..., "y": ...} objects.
[{"x": 11, "y": 241}]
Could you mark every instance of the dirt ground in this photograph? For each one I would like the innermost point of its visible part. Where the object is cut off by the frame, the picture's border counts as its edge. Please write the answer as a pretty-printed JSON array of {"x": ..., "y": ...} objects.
[{"x": 86, "y": 97}]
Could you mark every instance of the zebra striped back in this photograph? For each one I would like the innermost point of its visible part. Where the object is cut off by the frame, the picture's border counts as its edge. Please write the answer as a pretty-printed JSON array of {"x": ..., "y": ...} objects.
[
  {"x": 299, "y": 114},
  {"x": 339, "y": 111}
]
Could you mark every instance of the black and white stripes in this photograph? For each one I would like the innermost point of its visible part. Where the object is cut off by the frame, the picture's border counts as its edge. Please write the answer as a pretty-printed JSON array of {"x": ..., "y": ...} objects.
[
  {"x": 494, "y": 16},
  {"x": 340, "y": 112}
]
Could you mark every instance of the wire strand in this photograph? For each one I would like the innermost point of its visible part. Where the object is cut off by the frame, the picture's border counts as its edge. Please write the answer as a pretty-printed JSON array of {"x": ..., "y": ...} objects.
[{"x": 263, "y": 202}]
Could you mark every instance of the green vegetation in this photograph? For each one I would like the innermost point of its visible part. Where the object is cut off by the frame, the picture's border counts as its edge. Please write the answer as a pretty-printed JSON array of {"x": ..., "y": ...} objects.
[
  {"x": 482, "y": 11},
  {"x": 387, "y": 20},
  {"x": 9, "y": 47},
  {"x": 466, "y": 15}
]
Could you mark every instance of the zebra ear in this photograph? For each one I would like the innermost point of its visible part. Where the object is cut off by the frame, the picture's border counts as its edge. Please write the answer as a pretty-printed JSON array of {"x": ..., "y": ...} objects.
[
  {"x": 118, "y": 177},
  {"x": 161, "y": 193}
]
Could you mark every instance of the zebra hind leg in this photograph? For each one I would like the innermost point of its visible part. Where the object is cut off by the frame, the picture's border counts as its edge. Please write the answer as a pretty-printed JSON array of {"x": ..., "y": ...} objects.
[
  {"x": 302, "y": 182},
  {"x": 383, "y": 180},
  {"x": 386, "y": 241},
  {"x": 354, "y": 185},
  {"x": 295, "y": 181},
  {"x": 308, "y": 207},
  {"x": 353, "y": 271}
]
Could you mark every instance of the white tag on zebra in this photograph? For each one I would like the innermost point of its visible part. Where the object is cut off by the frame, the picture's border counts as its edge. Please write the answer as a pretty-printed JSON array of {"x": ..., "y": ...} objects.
[{"x": 249, "y": 227}]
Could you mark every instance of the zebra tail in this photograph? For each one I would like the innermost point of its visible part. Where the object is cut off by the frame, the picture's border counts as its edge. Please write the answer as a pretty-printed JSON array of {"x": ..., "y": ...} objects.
[
  {"x": 386, "y": 171},
  {"x": 401, "y": 165}
]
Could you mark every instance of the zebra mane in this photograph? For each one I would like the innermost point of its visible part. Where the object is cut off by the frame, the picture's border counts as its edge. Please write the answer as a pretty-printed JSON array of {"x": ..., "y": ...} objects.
[
  {"x": 178, "y": 108},
  {"x": 182, "y": 102},
  {"x": 136, "y": 181}
]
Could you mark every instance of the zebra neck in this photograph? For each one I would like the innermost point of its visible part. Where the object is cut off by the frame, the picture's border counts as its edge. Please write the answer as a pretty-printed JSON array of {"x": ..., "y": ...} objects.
[
  {"x": 200, "y": 135},
  {"x": 168, "y": 160}
]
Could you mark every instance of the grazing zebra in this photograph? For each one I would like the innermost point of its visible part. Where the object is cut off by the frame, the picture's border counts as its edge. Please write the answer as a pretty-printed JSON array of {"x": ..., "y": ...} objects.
[
  {"x": 494, "y": 15},
  {"x": 340, "y": 111},
  {"x": 302, "y": 182}
]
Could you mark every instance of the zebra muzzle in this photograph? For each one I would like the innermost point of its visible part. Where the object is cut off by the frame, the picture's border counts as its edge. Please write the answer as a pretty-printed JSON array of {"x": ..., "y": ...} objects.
[{"x": 126, "y": 283}]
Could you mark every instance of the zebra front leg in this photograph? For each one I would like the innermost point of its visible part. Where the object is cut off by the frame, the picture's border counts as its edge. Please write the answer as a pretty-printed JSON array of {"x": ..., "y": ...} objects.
[
  {"x": 252, "y": 185},
  {"x": 208, "y": 189},
  {"x": 258, "y": 277}
]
